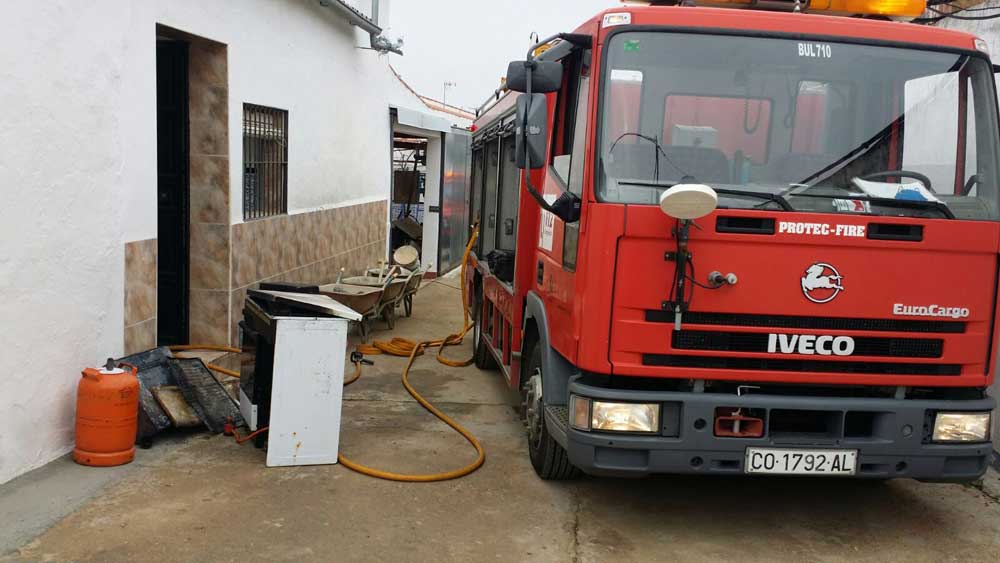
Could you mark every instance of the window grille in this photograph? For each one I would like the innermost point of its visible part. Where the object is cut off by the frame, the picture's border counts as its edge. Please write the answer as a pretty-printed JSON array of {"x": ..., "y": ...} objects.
[{"x": 265, "y": 161}]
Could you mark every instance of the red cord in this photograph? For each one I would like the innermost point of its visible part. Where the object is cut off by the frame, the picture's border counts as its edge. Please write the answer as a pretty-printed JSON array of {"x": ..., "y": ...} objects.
[{"x": 230, "y": 430}]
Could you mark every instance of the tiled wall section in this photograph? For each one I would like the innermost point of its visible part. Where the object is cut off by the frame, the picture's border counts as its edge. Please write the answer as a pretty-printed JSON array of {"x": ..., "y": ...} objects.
[
  {"x": 209, "y": 168},
  {"x": 140, "y": 295},
  {"x": 308, "y": 248}
]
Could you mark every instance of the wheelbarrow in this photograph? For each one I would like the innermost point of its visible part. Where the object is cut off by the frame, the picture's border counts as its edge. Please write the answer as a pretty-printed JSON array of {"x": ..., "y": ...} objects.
[
  {"x": 391, "y": 294},
  {"x": 363, "y": 299}
]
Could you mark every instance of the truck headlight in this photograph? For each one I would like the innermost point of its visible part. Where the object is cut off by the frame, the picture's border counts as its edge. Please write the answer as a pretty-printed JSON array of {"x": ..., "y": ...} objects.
[
  {"x": 961, "y": 427},
  {"x": 625, "y": 417},
  {"x": 588, "y": 414}
]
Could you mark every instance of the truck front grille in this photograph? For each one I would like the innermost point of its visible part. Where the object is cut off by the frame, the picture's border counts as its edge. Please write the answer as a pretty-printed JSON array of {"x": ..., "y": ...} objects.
[
  {"x": 757, "y": 342},
  {"x": 809, "y": 323},
  {"x": 819, "y": 366}
]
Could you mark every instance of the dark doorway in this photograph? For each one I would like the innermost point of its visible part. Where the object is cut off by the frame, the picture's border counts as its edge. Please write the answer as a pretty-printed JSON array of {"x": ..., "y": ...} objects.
[{"x": 172, "y": 184}]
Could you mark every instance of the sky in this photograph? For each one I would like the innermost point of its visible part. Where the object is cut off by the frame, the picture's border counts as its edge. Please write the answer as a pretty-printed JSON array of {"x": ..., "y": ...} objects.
[{"x": 470, "y": 42}]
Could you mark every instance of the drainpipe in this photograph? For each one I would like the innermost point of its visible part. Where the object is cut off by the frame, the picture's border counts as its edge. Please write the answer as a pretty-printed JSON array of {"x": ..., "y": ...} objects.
[{"x": 379, "y": 42}]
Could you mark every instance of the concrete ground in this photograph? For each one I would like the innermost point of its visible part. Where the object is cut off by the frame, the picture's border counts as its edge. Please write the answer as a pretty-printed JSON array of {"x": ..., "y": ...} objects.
[{"x": 204, "y": 498}]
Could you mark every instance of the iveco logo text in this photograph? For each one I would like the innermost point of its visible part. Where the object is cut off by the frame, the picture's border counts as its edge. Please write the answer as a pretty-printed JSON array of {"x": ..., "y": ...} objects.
[
  {"x": 810, "y": 344},
  {"x": 929, "y": 311}
]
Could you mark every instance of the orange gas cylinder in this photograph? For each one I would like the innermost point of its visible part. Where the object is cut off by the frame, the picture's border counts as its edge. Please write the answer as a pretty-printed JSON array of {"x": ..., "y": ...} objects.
[{"x": 107, "y": 409}]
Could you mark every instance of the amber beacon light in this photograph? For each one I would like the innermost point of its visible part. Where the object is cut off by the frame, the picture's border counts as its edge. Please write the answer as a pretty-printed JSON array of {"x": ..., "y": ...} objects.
[{"x": 900, "y": 8}]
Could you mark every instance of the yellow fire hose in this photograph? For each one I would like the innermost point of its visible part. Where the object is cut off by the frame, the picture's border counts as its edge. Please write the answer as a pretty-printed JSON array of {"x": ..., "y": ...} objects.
[
  {"x": 410, "y": 349},
  {"x": 220, "y": 369}
]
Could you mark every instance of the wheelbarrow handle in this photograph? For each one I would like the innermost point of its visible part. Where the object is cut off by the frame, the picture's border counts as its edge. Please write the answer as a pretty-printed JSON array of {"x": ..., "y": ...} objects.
[{"x": 393, "y": 274}]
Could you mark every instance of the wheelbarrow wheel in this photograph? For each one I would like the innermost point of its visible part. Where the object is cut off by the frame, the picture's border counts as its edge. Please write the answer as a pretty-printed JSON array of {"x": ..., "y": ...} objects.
[
  {"x": 390, "y": 318},
  {"x": 363, "y": 329},
  {"x": 408, "y": 305}
]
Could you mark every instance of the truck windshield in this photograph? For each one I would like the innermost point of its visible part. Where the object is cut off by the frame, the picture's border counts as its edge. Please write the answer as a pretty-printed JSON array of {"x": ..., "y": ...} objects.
[{"x": 788, "y": 124}]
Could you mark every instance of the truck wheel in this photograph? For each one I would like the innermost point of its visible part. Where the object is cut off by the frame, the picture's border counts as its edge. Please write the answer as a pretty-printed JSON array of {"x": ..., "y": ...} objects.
[
  {"x": 550, "y": 460},
  {"x": 482, "y": 356}
]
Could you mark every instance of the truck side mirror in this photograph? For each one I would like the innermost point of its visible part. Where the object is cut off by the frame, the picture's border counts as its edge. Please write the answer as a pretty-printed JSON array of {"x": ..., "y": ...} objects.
[
  {"x": 530, "y": 143},
  {"x": 546, "y": 76}
]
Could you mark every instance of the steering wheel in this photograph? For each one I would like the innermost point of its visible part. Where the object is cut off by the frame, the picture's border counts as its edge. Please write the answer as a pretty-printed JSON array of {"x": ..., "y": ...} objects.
[{"x": 902, "y": 174}]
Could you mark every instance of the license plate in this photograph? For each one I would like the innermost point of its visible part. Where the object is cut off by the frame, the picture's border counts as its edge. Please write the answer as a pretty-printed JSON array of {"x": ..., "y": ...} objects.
[{"x": 783, "y": 461}]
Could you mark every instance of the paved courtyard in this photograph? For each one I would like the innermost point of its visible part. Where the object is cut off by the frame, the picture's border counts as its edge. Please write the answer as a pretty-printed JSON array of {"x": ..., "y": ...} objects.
[{"x": 204, "y": 498}]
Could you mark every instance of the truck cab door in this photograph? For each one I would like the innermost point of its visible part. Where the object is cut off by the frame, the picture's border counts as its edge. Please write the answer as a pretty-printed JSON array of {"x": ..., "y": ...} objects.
[{"x": 558, "y": 241}]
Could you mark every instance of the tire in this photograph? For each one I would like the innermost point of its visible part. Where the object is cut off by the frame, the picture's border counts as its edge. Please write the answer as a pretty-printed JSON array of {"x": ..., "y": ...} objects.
[
  {"x": 548, "y": 458},
  {"x": 482, "y": 356}
]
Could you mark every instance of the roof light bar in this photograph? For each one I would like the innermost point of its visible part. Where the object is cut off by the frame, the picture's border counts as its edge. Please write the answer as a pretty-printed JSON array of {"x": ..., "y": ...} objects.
[
  {"x": 901, "y": 8},
  {"x": 874, "y": 7}
]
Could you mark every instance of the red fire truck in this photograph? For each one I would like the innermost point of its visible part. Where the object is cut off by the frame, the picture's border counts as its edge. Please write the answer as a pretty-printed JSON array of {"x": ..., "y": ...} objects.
[{"x": 760, "y": 238}]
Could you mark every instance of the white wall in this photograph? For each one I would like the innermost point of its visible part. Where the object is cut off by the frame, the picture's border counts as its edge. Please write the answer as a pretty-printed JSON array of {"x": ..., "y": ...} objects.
[
  {"x": 62, "y": 223},
  {"x": 293, "y": 55},
  {"x": 78, "y": 168}
]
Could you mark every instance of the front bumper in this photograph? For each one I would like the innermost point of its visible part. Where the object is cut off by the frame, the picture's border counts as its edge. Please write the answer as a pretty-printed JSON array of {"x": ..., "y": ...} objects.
[{"x": 896, "y": 446}]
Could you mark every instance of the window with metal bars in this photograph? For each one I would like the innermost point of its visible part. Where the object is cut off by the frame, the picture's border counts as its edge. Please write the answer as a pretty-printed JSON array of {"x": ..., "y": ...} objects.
[{"x": 265, "y": 161}]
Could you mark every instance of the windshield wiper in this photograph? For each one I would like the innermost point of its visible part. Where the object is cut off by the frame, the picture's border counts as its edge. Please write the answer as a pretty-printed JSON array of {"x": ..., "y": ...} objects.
[
  {"x": 656, "y": 154},
  {"x": 887, "y": 202},
  {"x": 776, "y": 198},
  {"x": 853, "y": 155}
]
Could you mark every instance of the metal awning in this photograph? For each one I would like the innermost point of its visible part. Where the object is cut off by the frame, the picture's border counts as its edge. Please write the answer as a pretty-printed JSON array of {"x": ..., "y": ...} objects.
[{"x": 421, "y": 120}]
